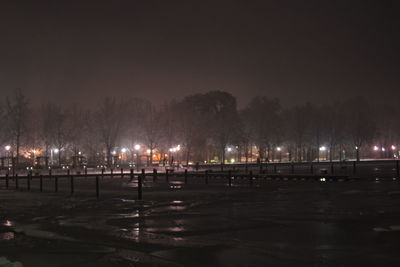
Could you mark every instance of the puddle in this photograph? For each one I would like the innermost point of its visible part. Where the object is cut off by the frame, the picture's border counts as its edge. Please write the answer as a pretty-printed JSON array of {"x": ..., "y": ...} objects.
[
  {"x": 175, "y": 229},
  {"x": 8, "y": 223},
  {"x": 6, "y": 236},
  {"x": 175, "y": 187},
  {"x": 5, "y": 262}
]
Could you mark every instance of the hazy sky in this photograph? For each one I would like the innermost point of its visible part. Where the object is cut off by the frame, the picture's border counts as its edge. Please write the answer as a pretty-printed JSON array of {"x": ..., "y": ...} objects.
[{"x": 295, "y": 50}]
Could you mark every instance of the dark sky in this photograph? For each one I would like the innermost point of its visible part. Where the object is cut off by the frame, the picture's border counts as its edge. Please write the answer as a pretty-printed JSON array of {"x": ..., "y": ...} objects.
[{"x": 297, "y": 50}]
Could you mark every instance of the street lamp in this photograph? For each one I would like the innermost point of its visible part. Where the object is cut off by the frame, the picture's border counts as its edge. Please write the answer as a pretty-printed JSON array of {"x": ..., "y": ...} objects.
[
  {"x": 323, "y": 148},
  {"x": 137, "y": 148},
  {"x": 52, "y": 152},
  {"x": 279, "y": 149},
  {"x": 8, "y": 147}
]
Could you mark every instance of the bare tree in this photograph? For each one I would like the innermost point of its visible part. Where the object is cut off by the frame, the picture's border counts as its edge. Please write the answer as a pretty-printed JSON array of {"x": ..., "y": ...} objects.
[
  {"x": 361, "y": 126},
  {"x": 151, "y": 131},
  {"x": 17, "y": 117},
  {"x": 110, "y": 119},
  {"x": 262, "y": 117}
]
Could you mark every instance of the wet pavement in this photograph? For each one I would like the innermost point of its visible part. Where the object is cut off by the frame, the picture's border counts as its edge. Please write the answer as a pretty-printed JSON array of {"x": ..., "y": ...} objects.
[{"x": 278, "y": 223}]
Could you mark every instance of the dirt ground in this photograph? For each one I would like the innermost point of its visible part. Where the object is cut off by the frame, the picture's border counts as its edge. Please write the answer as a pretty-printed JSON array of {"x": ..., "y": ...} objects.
[{"x": 274, "y": 223}]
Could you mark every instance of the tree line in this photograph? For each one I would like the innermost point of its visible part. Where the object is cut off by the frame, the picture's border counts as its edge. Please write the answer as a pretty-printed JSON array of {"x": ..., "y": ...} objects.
[{"x": 205, "y": 127}]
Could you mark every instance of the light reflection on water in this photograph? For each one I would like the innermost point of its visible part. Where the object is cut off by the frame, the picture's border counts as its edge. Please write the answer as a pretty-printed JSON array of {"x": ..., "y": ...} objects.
[
  {"x": 7, "y": 236},
  {"x": 175, "y": 185},
  {"x": 174, "y": 229},
  {"x": 8, "y": 223}
]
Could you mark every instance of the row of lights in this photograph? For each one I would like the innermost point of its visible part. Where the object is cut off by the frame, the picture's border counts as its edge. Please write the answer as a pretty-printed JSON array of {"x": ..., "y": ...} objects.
[{"x": 376, "y": 148}]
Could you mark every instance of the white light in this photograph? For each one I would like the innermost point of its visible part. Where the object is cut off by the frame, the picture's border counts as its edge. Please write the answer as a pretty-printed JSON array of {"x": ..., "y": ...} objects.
[
  {"x": 114, "y": 152},
  {"x": 278, "y": 148},
  {"x": 357, "y": 147},
  {"x": 123, "y": 150},
  {"x": 229, "y": 149},
  {"x": 137, "y": 147},
  {"x": 148, "y": 151},
  {"x": 56, "y": 150},
  {"x": 232, "y": 160},
  {"x": 8, "y": 148},
  {"x": 376, "y": 148},
  {"x": 393, "y": 147},
  {"x": 322, "y": 148},
  {"x": 178, "y": 147},
  {"x": 79, "y": 153},
  {"x": 383, "y": 149}
]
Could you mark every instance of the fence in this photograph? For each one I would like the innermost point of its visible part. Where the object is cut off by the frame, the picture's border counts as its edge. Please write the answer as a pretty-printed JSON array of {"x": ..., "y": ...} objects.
[{"x": 284, "y": 172}]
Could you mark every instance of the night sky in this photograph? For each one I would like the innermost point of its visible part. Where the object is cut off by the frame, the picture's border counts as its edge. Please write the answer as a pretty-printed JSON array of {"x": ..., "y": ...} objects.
[{"x": 79, "y": 51}]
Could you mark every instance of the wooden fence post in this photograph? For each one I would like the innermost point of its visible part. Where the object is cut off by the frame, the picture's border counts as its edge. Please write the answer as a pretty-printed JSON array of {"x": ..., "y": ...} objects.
[
  {"x": 132, "y": 175},
  {"x": 140, "y": 177},
  {"x": 251, "y": 177},
  {"x": 56, "y": 184},
  {"x": 186, "y": 176},
  {"x": 154, "y": 175},
  {"x": 97, "y": 187},
  {"x": 28, "y": 181},
  {"x": 41, "y": 183},
  {"x": 72, "y": 184}
]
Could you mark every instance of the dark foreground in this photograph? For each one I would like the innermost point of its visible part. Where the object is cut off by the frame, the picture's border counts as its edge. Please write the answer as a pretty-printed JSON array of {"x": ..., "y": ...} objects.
[{"x": 284, "y": 223}]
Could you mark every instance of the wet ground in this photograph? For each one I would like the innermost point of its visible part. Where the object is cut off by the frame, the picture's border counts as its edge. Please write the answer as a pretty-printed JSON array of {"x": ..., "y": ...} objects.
[{"x": 276, "y": 223}]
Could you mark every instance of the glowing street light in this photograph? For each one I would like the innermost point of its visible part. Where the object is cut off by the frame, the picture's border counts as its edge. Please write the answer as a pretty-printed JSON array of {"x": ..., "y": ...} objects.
[
  {"x": 376, "y": 148},
  {"x": 279, "y": 149},
  {"x": 229, "y": 149},
  {"x": 8, "y": 148},
  {"x": 137, "y": 147},
  {"x": 383, "y": 149},
  {"x": 393, "y": 147},
  {"x": 123, "y": 150},
  {"x": 323, "y": 148}
]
